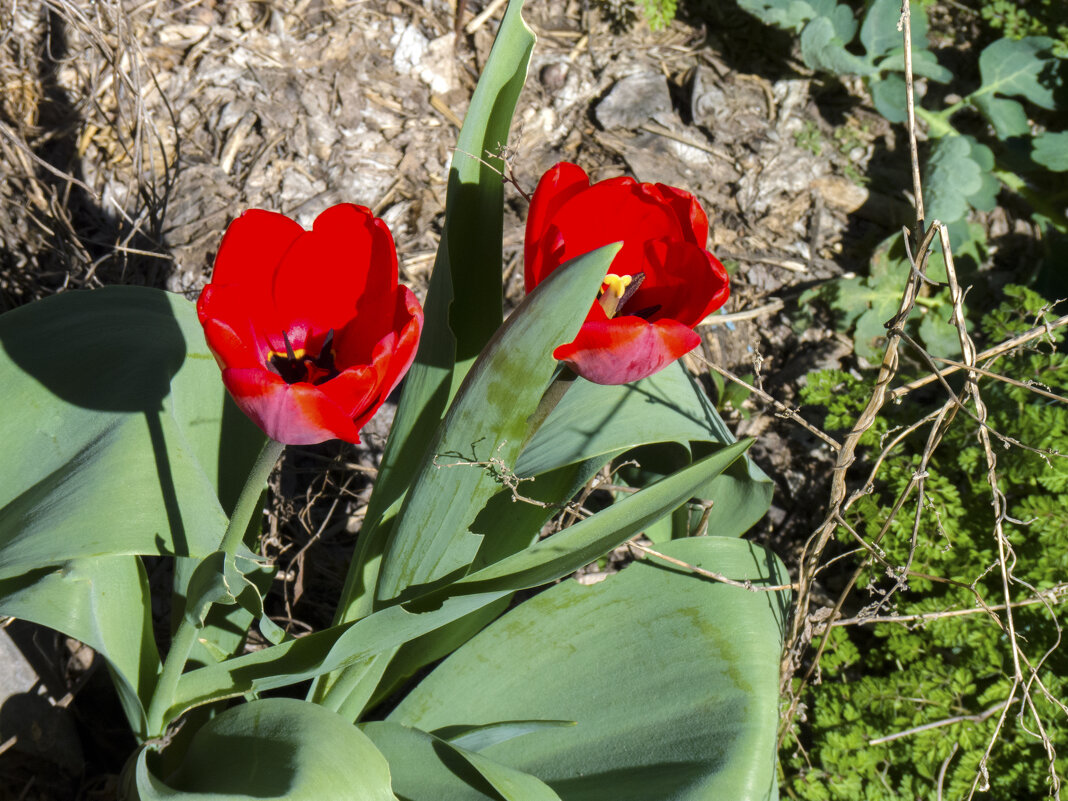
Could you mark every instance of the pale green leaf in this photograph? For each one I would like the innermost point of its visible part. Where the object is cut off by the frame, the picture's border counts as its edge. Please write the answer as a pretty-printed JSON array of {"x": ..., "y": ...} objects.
[
  {"x": 104, "y": 602},
  {"x": 273, "y": 748},
  {"x": 435, "y": 534},
  {"x": 112, "y": 430},
  {"x": 544, "y": 561},
  {"x": 699, "y": 723}
]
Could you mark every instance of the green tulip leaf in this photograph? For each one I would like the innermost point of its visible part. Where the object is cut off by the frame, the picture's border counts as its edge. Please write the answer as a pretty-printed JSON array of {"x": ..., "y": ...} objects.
[
  {"x": 545, "y": 561},
  {"x": 671, "y": 678},
  {"x": 119, "y": 436},
  {"x": 433, "y": 536},
  {"x": 104, "y": 602},
  {"x": 427, "y": 768},
  {"x": 475, "y": 738},
  {"x": 464, "y": 301},
  {"x": 463, "y": 308},
  {"x": 272, "y": 748},
  {"x": 602, "y": 421}
]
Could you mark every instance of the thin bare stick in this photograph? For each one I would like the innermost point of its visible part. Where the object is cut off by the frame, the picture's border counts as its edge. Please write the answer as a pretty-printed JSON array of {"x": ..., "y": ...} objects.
[
  {"x": 990, "y": 353},
  {"x": 977, "y": 718},
  {"x": 739, "y": 316},
  {"x": 998, "y": 377},
  {"x": 905, "y": 26},
  {"x": 700, "y": 571},
  {"x": 1053, "y": 594},
  {"x": 782, "y": 409}
]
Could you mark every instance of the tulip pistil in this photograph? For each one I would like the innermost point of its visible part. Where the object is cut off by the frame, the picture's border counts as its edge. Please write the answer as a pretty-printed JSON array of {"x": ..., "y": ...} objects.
[
  {"x": 616, "y": 290},
  {"x": 296, "y": 365}
]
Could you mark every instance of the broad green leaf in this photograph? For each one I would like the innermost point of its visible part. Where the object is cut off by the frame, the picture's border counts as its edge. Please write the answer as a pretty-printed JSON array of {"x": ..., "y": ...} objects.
[
  {"x": 112, "y": 431},
  {"x": 1017, "y": 67},
  {"x": 475, "y": 738},
  {"x": 924, "y": 64},
  {"x": 1051, "y": 150},
  {"x": 104, "y": 602},
  {"x": 823, "y": 48},
  {"x": 869, "y": 301},
  {"x": 880, "y": 33},
  {"x": 888, "y": 97},
  {"x": 958, "y": 176},
  {"x": 594, "y": 420},
  {"x": 508, "y": 524},
  {"x": 427, "y": 768},
  {"x": 939, "y": 336},
  {"x": 1007, "y": 116},
  {"x": 464, "y": 302},
  {"x": 273, "y": 748},
  {"x": 672, "y": 680},
  {"x": 435, "y": 534},
  {"x": 787, "y": 14},
  {"x": 1014, "y": 67},
  {"x": 545, "y": 561}
]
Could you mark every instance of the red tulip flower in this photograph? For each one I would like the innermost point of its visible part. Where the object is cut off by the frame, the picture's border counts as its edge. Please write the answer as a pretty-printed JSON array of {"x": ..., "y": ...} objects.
[
  {"x": 310, "y": 328},
  {"x": 661, "y": 284}
]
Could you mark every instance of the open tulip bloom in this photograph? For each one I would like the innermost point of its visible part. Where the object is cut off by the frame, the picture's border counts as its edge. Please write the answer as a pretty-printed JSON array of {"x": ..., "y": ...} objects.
[
  {"x": 660, "y": 286},
  {"x": 310, "y": 328},
  {"x": 442, "y": 674}
]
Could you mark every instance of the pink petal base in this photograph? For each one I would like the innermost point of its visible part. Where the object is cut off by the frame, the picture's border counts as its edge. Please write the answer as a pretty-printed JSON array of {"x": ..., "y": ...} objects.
[
  {"x": 626, "y": 349},
  {"x": 293, "y": 414}
]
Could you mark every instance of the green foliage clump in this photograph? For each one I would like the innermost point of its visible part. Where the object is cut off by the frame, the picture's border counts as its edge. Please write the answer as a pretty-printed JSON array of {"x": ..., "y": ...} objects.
[
  {"x": 659, "y": 12},
  {"x": 1000, "y": 135},
  {"x": 893, "y": 677},
  {"x": 1019, "y": 18}
]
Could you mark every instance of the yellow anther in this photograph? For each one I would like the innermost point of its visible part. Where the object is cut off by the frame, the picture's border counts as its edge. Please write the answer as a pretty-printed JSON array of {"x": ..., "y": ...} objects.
[{"x": 616, "y": 284}]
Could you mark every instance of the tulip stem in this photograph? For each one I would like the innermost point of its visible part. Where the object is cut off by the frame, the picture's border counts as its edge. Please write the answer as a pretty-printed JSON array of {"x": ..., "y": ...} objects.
[
  {"x": 185, "y": 637},
  {"x": 249, "y": 498}
]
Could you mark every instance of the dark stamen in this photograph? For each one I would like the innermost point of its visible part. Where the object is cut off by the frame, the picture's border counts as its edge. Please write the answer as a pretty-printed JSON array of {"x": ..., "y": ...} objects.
[
  {"x": 628, "y": 293},
  {"x": 645, "y": 313},
  {"x": 289, "y": 348}
]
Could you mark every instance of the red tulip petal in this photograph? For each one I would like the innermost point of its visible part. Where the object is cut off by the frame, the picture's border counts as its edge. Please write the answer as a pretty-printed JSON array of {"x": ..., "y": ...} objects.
[
  {"x": 690, "y": 214},
  {"x": 354, "y": 388},
  {"x": 339, "y": 270},
  {"x": 293, "y": 414},
  {"x": 251, "y": 249},
  {"x": 227, "y": 319},
  {"x": 683, "y": 282},
  {"x": 616, "y": 210},
  {"x": 399, "y": 350},
  {"x": 626, "y": 349},
  {"x": 559, "y": 184}
]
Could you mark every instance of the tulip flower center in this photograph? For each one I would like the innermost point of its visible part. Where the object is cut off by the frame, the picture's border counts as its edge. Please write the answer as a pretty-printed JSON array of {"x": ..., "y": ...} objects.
[
  {"x": 616, "y": 290},
  {"x": 298, "y": 365}
]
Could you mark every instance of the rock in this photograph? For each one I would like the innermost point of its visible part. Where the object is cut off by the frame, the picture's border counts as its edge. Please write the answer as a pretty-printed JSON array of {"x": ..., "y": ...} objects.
[
  {"x": 635, "y": 100},
  {"x": 16, "y": 673},
  {"x": 708, "y": 103},
  {"x": 840, "y": 193}
]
